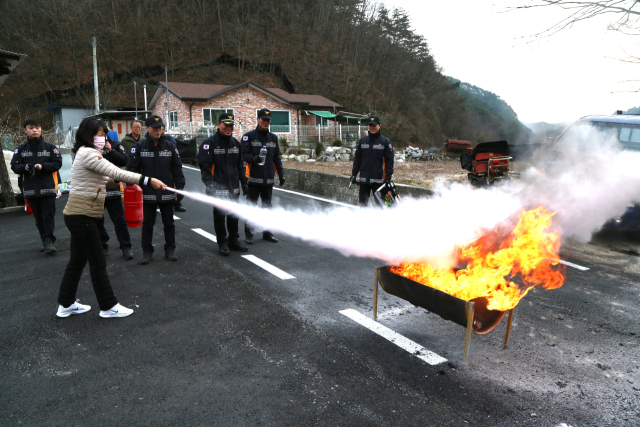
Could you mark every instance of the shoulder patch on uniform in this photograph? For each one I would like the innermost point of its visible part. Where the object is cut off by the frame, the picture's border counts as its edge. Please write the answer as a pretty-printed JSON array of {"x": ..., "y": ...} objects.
[
  {"x": 205, "y": 147},
  {"x": 245, "y": 138},
  {"x": 16, "y": 151},
  {"x": 133, "y": 150},
  {"x": 391, "y": 146},
  {"x": 55, "y": 150},
  {"x": 177, "y": 152}
]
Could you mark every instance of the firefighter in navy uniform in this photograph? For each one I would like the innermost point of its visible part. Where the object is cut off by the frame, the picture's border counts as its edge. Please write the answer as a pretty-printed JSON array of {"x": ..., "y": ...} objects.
[
  {"x": 38, "y": 162},
  {"x": 222, "y": 172},
  {"x": 115, "y": 152},
  {"x": 373, "y": 160},
  {"x": 156, "y": 157},
  {"x": 177, "y": 203},
  {"x": 261, "y": 171}
]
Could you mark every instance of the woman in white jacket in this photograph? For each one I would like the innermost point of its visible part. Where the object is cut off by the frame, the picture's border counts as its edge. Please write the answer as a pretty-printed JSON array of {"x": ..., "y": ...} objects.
[{"x": 90, "y": 175}]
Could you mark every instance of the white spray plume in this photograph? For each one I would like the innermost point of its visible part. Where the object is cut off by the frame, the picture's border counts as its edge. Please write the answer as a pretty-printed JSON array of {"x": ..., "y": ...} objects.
[{"x": 584, "y": 187}]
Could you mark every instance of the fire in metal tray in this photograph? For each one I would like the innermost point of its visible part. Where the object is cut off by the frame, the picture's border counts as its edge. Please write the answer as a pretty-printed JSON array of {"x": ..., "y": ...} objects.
[{"x": 502, "y": 265}]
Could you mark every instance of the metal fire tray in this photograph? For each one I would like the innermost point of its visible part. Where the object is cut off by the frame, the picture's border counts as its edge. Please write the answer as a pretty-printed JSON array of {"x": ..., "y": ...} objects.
[{"x": 473, "y": 315}]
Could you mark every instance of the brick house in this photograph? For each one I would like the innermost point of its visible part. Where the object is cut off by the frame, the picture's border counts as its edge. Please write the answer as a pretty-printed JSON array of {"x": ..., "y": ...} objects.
[{"x": 194, "y": 108}]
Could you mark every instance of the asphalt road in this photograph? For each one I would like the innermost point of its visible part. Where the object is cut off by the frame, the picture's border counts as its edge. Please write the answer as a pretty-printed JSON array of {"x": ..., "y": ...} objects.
[{"x": 222, "y": 341}]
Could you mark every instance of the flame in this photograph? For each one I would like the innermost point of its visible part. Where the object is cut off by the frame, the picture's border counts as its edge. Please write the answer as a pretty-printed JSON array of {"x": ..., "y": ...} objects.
[{"x": 528, "y": 252}]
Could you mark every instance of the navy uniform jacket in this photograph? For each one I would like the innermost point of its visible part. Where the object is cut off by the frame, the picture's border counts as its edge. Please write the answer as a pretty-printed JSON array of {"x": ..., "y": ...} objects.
[
  {"x": 252, "y": 143},
  {"x": 45, "y": 180},
  {"x": 118, "y": 156},
  {"x": 161, "y": 161},
  {"x": 373, "y": 159},
  {"x": 221, "y": 165}
]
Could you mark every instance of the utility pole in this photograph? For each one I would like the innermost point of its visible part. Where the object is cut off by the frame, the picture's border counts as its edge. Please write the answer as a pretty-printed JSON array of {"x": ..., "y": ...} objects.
[
  {"x": 135, "y": 96},
  {"x": 144, "y": 87},
  {"x": 166, "y": 93},
  {"x": 95, "y": 76}
]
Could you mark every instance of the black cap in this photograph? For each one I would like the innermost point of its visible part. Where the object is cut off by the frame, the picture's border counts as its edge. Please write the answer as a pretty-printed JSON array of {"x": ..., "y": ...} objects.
[
  {"x": 373, "y": 120},
  {"x": 32, "y": 122},
  {"x": 154, "y": 121},
  {"x": 265, "y": 113},
  {"x": 226, "y": 118}
]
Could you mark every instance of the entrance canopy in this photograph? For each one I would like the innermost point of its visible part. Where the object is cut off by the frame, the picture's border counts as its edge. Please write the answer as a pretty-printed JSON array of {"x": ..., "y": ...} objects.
[{"x": 338, "y": 118}]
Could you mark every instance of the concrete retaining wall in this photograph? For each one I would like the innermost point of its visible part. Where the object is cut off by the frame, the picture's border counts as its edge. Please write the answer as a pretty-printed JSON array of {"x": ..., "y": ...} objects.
[{"x": 336, "y": 187}]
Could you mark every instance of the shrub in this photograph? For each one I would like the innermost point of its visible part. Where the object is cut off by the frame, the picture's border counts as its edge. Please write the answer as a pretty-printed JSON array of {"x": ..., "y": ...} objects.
[
  {"x": 336, "y": 143},
  {"x": 283, "y": 143},
  {"x": 319, "y": 149}
]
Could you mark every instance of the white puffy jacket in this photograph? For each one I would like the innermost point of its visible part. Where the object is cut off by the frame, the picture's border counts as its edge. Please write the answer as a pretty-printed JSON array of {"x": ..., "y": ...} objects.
[{"x": 90, "y": 175}]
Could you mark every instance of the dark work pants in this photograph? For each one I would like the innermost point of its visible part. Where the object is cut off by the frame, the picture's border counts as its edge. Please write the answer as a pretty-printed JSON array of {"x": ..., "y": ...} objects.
[
  {"x": 149, "y": 220},
  {"x": 263, "y": 192},
  {"x": 116, "y": 213},
  {"x": 85, "y": 246},
  {"x": 44, "y": 211},
  {"x": 219, "y": 217},
  {"x": 365, "y": 192}
]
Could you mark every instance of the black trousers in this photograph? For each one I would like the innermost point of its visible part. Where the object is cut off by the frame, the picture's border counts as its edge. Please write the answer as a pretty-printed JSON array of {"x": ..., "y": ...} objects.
[
  {"x": 44, "y": 212},
  {"x": 116, "y": 213},
  {"x": 85, "y": 246},
  {"x": 219, "y": 218},
  {"x": 149, "y": 220},
  {"x": 263, "y": 192},
  {"x": 365, "y": 192}
]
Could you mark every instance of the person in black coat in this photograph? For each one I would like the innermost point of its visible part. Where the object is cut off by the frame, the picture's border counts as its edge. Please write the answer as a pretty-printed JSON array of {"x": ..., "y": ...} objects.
[
  {"x": 221, "y": 169},
  {"x": 115, "y": 152},
  {"x": 177, "y": 203},
  {"x": 157, "y": 157},
  {"x": 38, "y": 162},
  {"x": 373, "y": 160},
  {"x": 261, "y": 171}
]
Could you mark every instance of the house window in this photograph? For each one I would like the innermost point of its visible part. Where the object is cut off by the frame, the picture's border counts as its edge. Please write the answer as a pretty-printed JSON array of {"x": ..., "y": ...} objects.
[
  {"x": 322, "y": 121},
  {"x": 280, "y": 121},
  {"x": 173, "y": 120},
  {"x": 210, "y": 115}
]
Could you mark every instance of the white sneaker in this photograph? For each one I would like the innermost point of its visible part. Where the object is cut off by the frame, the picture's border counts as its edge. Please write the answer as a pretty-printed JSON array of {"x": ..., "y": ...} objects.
[
  {"x": 75, "y": 308},
  {"x": 116, "y": 311}
]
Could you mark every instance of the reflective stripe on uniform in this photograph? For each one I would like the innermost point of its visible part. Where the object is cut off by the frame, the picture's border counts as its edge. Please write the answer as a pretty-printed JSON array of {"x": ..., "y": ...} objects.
[
  {"x": 114, "y": 193},
  {"x": 148, "y": 197},
  {"x": 378, "y": 147}
]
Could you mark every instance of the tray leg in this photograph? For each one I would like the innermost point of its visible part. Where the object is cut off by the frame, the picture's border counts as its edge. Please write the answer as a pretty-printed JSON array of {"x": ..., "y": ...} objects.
[
  {"x": 506, "y": 336},
  {"x": 375, "y": 299},
  {"x": 467, "y": 340}
]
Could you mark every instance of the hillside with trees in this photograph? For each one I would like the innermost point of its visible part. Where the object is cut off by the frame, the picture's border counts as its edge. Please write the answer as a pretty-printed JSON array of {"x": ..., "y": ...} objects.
[
  {"x": 490, "y": 118},
  {"x": 355, "y": 52}
]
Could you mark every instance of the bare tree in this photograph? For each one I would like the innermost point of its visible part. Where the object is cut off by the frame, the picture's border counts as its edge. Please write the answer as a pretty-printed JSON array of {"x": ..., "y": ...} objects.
[{"x": 625, "y": 14}]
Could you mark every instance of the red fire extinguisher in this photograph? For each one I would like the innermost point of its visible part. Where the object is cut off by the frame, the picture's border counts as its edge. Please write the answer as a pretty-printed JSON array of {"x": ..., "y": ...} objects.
[
  {"x": 27, "y": 207},
  {"x": 133, "y": 205}
]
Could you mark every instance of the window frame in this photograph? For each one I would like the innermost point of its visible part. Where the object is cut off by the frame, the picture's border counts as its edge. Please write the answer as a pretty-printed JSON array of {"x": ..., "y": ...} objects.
[
  {"x": 280, "y": 111},
  {"x": 214, "y": 120}
]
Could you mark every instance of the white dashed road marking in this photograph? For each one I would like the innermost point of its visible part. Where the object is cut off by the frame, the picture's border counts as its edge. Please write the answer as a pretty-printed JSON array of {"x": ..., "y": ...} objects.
[
  {"x": 174, "y": 217},
  {"x": 252, "y": 258},
  {"x": 570, "y": 264},
  {"x": 201, "y": 232},
  {"x": 270, "y": 268},
  {"x": 403, "y": 342},
  {"x": 316, "y": 198}
]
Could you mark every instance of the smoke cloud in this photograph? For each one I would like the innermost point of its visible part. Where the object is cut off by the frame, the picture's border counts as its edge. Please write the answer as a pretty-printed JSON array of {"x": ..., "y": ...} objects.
[{"x": 585, "y": 185}]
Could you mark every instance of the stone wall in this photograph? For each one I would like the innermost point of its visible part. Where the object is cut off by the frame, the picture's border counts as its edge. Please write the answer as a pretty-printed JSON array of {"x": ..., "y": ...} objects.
[{"x": 336, "y": 186}]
